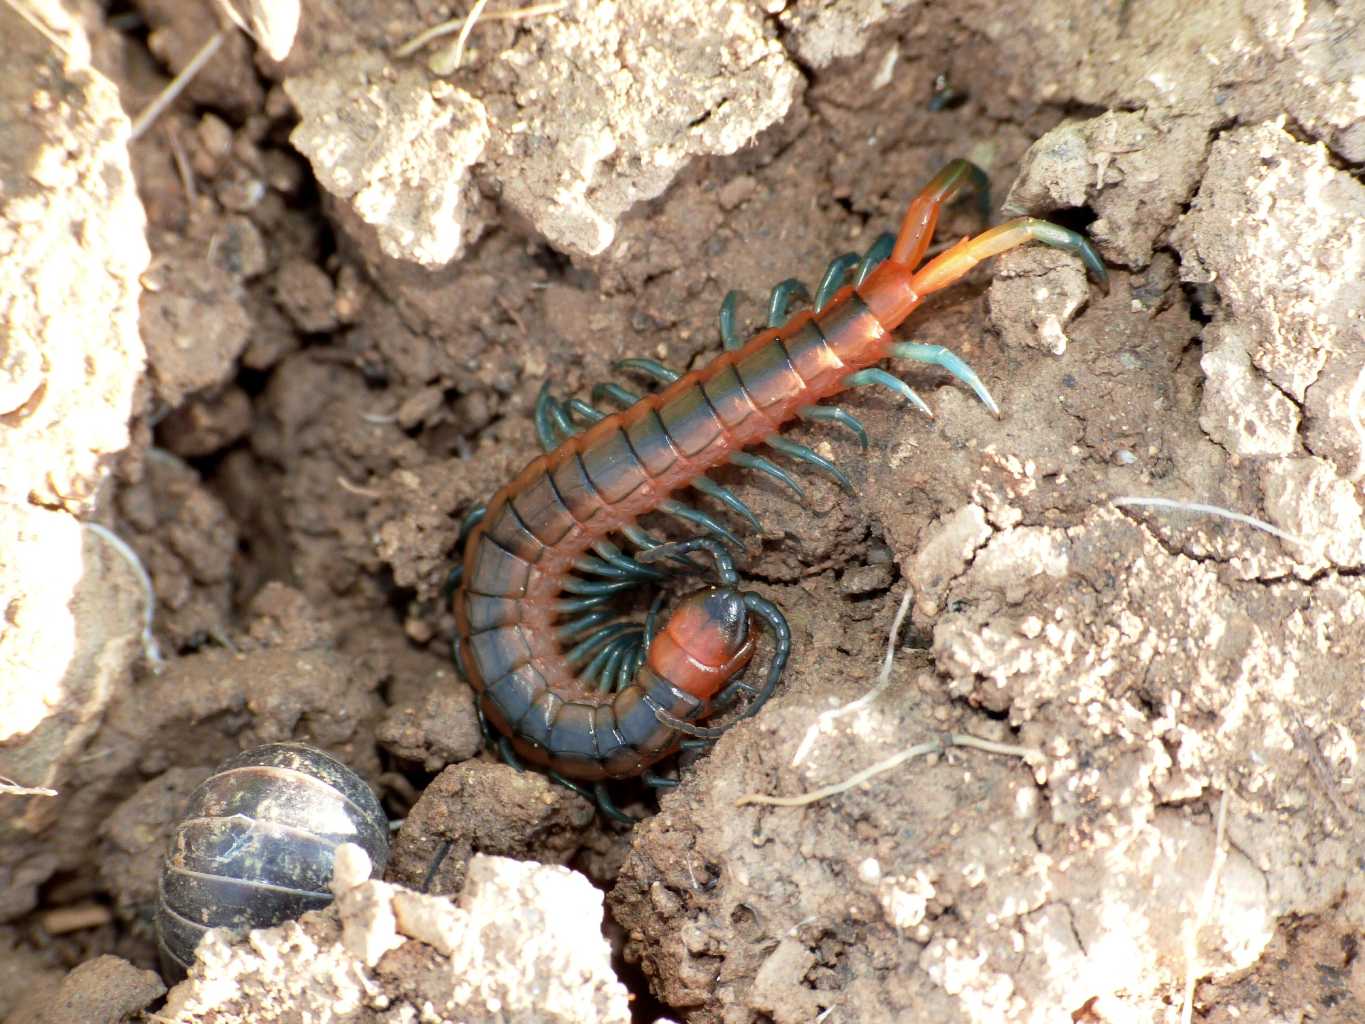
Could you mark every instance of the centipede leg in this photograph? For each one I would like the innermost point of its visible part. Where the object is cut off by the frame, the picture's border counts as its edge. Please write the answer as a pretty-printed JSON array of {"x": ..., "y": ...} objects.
[
  {"x": 833, "y": 278},
  {"x": 807, "y": 455},
  {"x": 779, "y": 300},
  {"x": 544, "y": 419},
  {"x": 834, "y": 414},
  {"x": 697, "y": 517},
  {"x": 617, "y": 394},
  {"x": 873, "y": 375},
  {"x": 472, "y": 519},
  {"x": 455, "y": 656},
  {"x": 878, "y": 251},
  {"x": 732, "y": 692},
  {"x": 608, "y": 807},
  {"x": 748, "y": 460},
  {"x": 729, "y": 337},
  {"x": 937, "y": 355},
  {"x": 509, "y": 755},
  {"x": 442, "y": 852},
  {"x": 656, "y": 781},
  {"x": 649, "y": 367},
  {"x": 949, "y": 266},
  {"x": 727, "y": 498},
  {"x": 489, "y": 736},
  {"x": 586, "y": 411}
]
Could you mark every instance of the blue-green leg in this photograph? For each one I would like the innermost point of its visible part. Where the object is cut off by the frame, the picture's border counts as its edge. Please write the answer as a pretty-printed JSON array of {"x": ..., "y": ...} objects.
[
  {"x": 937, "y": 355},
  {"x": 866, "y": 378},
  {"x": 779, "y": 300},
  {"x": 877, "y": 252},
  {"x": 813, "y": 458}
]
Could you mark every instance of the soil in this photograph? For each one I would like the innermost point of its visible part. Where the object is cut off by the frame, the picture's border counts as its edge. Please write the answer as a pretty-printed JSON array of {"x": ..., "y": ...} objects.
[{"x": 258, "y": 363}]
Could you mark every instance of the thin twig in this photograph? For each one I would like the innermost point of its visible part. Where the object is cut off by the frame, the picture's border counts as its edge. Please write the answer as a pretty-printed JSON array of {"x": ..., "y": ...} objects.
[
  {"x": 883, "y": 681},
  {"x": 8, "y": 787},
  {"x": 149, "y": 644},
  {"x": 457, "y": 53},
  {"x": 39, "y": 27},
  {"x": 1353, "y": 416},
  {"x": 936, "y": 746},
  {"x": 1192, "y": 929},
  {"x": 356, "y": 489},
  {"x": 1209, "y": 510},
  {"x": 1321, "y": 769},
  {"x": 178, "y": 83},
  {"x": 464, "y": 24}
]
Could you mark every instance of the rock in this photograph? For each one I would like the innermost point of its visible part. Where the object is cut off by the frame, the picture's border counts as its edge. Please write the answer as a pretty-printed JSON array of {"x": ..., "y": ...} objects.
[{"x": 522, "y": 943}]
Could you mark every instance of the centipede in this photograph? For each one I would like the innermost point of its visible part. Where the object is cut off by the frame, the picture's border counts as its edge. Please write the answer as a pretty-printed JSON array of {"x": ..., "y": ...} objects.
[{"x": 568, "y": 683}]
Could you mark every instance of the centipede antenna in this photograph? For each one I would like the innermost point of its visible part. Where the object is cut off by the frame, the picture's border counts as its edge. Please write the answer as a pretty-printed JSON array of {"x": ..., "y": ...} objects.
[
  {"x": 729, "y": 337},
  {"x": 834, "y": 414},
  {"x": 782, "y": 647},
  {"x": 779, "y": 300},
  {"x": 874, "y": 375},
  {"x": 804, "y": 454},
  {"x": 833, "y": 278},
  {"x": 704, "y": 732},
  {"x": 748, "y": 460},
  {"x": 946, "y": 359},
  {"x": 730, "y": 694},
  {"x": 727, "y": 498},
  {"x": 649, "y": 367}
]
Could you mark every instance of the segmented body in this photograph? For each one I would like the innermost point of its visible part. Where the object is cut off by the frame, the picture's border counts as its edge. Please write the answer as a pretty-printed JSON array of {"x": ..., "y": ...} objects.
[{"x": 520, "y": 559}]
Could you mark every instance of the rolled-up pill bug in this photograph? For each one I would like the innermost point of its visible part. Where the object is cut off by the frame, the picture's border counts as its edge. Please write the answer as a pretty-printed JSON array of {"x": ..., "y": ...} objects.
[{"x": 257, "y": 842}]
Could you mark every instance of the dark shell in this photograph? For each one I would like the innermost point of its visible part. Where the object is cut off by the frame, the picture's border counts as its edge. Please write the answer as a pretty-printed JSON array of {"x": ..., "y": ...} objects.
[{"x": 256, "y": 843}]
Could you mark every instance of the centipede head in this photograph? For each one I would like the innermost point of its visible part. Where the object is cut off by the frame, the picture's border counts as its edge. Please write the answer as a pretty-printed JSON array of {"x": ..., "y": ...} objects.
[{"x": 705, "y": 642}]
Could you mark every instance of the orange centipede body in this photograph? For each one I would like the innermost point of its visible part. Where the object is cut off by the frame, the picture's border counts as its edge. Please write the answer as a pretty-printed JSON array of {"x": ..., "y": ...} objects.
[{"x": 569, "y": 687}]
